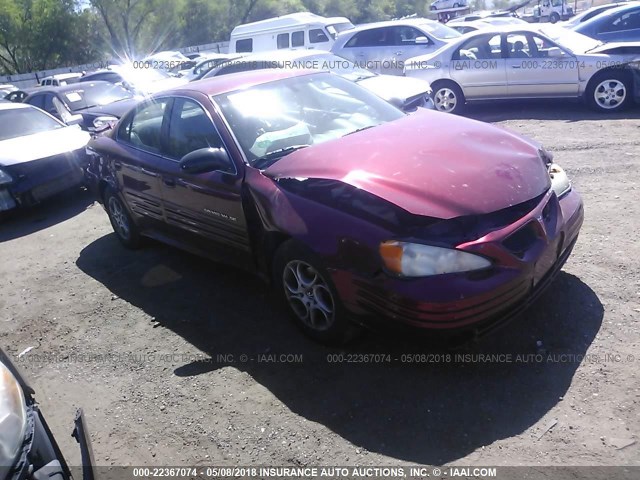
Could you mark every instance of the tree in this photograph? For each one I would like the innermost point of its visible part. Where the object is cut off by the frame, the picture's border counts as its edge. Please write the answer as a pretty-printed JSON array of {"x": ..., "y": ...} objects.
[{"x": 43, "y": 34}]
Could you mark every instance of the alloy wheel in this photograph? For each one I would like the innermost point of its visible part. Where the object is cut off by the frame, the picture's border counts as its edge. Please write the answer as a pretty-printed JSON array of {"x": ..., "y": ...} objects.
[
  {"x": 308, "y": 295},
  {"x": 445, "y": 100},
  {"x": 610, "y": 94},
  {"x": 119, "y": 217}
]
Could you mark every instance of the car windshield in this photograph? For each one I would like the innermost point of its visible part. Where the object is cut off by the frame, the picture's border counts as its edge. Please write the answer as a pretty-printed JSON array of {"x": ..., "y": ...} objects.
[
  {"x": 19, "y": 122},
  {"x": 574, "y": 41},
  {"x": 300, "y": 111},
  {"x": 89, "y": 95},
  {"x": 440, "y": 31}
]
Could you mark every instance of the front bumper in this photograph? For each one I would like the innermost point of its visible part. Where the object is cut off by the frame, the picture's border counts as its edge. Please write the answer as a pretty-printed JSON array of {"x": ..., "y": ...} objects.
[
  {"x": 527, "y": 255},
  {"x": 39, "y": 180}
]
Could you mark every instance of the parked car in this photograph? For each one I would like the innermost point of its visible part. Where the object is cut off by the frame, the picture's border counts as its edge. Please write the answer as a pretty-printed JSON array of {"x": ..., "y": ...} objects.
[
  {"x": 139, "y": 77},
  {"x": 354, "y": 209},
  {"x": 589, "y": 13},
  {"x": 469, "y": 26},
  {"x": 6, "y": 88},
  {"x": 90, "y": 104},
  {"x": 209, "y": 62},
  {"x": 60, "y": 79},
  {"x": 39, "y": 156},
  {"x": 294, "y": 31},
  {"x": 29, "y": 450},
  {"x": 447, "y": 4},
  {"x": 552, "y": 10},
  {"x": 620, "y": 24},
  {"x": 384, "y": 47},
  {"x": 19, "y": 95},
  {"x": 405, "y": 93},
  {"x": 529, "y": 62}
]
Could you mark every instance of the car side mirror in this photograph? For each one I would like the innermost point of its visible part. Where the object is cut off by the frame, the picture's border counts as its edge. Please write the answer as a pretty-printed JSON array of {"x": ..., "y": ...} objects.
[
  {"x": 206, "y": 160},
  {"x": 421, "y": 41},
  {"x": 555, "y": 52}
]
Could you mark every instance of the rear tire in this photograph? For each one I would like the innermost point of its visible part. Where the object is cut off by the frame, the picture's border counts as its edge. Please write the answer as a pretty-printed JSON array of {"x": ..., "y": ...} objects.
[
  {"x": 610, "y": 91},
  {"x": 310, "y": 296},
  {"x": 448, "y": 97},
  {"x": 122, "y": 223}
]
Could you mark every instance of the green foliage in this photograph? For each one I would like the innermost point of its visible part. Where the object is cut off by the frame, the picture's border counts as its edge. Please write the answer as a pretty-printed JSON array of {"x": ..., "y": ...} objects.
[{"x": 43, "y": 34}]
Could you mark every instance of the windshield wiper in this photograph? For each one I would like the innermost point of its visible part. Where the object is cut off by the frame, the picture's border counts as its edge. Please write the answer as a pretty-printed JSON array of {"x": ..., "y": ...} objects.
[
  {"x": 270, "y": 158},
  {"x": 360, "y": 129}
]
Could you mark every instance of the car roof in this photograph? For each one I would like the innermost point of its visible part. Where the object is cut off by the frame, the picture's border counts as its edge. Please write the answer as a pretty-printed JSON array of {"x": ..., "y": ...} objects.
[
  {"x": 389, "y": 23},
  {"x": 14, "y": 106},
  {"x": 237, "y": 81},
  {"x": 69, "y": 88},
  {"x": 613, "y": 11}
]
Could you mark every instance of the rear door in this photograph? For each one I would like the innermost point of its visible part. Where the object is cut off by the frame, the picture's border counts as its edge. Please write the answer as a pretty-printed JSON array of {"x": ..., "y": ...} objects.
[
  {"x": 138, "y": 159},
  {"x": 478, "y": 67},
  {"x": 204, "y": 209}
]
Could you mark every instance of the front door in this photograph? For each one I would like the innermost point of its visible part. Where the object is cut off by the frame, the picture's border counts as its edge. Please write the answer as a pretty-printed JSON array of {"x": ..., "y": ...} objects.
[
  {"x": 206, "y": 208},
  {"x": 479, "y": 67},
  {"x": 531, "y": 72}
]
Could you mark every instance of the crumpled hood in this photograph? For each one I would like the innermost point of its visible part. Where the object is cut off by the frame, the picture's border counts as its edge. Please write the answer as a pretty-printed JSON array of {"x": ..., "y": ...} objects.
[
  {"x": 428, "y": 163},
  {"x": 41, "y": 145},
  {"x": 393, "y": 86}
]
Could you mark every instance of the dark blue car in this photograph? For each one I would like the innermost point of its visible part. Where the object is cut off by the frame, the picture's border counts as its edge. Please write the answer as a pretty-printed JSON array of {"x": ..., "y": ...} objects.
[{"x": 621, "y": 24}]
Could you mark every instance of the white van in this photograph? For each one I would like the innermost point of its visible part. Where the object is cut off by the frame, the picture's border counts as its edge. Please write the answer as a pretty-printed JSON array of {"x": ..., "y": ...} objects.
[
  {"x": 295, "y": 31},
  {"x": 60, "y": 79}
]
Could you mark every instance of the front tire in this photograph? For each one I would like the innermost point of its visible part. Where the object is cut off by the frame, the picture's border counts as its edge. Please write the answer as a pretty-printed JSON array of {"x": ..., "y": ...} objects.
[
  {"x": 122, "y": 223},
  {"x": 554, "y": 17},
  {"x": 448, "y": 97},
  {"x": 310, "y": 296},
  {"x": 609, "y": 91}
]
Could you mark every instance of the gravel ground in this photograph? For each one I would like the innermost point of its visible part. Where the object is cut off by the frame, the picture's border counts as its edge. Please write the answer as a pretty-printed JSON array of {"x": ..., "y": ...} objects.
[{"x": 179, "y": 361}]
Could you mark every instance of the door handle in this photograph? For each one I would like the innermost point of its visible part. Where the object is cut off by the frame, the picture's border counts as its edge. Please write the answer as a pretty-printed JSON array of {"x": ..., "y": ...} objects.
[
  {"x": 117, "y": 165},
  {"x": 398, "y": 53},
  {"x": 169, "y": 182},
  {"x": 515, "y": 66}
]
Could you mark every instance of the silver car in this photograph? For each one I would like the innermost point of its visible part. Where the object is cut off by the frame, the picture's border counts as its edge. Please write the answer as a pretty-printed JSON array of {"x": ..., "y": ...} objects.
[
  {"x": 384, "y": 47},
  {"x": 530, "y": 62}
]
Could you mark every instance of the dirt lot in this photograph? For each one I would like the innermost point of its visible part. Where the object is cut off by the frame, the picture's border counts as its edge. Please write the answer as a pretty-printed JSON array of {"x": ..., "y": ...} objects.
[{"x": 166, "y": 390}]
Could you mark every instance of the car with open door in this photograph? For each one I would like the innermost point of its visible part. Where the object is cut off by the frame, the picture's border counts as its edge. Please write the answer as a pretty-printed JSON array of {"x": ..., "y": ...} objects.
[{"x": 351, "y": 208}]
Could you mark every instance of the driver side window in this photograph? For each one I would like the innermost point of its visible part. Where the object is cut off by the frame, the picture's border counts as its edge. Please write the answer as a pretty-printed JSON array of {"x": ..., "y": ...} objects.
[
  {"x": 485, "y": 47},
  {"x": 190, "y": 129}
]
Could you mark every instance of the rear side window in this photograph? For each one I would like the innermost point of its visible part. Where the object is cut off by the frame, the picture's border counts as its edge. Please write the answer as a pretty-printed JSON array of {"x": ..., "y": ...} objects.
[
  {"x": 283, "y": 40},
  {"x": 143, "y": 127},
  {"x": 190, "y": 129},
  {"x": 374, "y": 37},
  {"x": 245, "y": 45},
  {"x": 297, "y": 39},
  {"x": 317, "y": 36},
  {"x": 37, "y": 101}
]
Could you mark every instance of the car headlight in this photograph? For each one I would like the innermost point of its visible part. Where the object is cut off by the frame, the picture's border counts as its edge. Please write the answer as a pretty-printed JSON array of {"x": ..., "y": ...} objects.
[
  {"x": 101, "y": 122},
  {"x": 13, "y": 419},
  {"x": 5, "y": 178},
  {"x": 416, "y": 260},
  {"x": 560, "y": 182}
]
